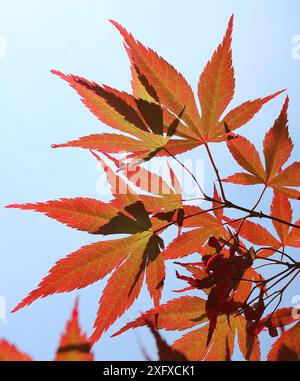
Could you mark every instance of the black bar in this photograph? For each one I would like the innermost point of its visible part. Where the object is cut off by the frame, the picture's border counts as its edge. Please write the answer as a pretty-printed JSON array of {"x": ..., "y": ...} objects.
[{"x": 136, "y": 369}]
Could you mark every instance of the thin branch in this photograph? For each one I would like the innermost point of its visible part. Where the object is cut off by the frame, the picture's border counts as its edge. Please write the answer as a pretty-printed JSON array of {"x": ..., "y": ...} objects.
[
  {"x": 272, "y": 260},
  {"x": 216, "y": 172},
  {"x": 283, "y": 254},
  {"x": 254, "y": 207},
  {"x": 265, "y": 265},
  {"x": 188, "y": 171},
  {"x": 254, "y": 213},
  {"x": 284, "y": 276}
]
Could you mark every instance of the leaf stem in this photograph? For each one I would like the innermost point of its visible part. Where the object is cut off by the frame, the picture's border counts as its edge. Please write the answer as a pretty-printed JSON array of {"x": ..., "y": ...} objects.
[
  {"x": 188, "y": 171},
  {"x": 216, "y": 171}
]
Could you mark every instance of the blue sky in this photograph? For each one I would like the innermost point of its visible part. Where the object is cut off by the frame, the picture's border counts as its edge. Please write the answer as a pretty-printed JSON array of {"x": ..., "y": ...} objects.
[{"x": 37, "y": 109}]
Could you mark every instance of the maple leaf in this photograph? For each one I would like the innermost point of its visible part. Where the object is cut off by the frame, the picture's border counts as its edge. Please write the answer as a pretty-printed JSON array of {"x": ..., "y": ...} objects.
[
  {"x": 130, "y": 259},
  {"x": 128, "y": 256},
  {"x": 74, "y": 344},
  {"x": 189, "y": 311},
  {"x": 287, "y": 347},
  {"x": 9, "y": 352},
  {"x": 278, "y": 147},
  {"x": 141, "y": 119},
  {"x": 258, "y": 235},
  {"x": 163, "y": 105},
  {"x": 154, "y": 78}
]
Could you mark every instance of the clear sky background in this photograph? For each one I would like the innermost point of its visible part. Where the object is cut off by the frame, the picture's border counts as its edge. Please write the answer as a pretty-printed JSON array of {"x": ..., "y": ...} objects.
[{"x": 38, "y": 109}]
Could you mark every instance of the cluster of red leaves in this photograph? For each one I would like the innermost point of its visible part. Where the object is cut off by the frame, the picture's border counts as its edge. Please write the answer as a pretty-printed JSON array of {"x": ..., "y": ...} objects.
[
  {"x": 73, "y": 345},
  {"x": 161, "y": 118},
  {"x": 190, "y": 311},
  {"x": 223, "y": 274}
]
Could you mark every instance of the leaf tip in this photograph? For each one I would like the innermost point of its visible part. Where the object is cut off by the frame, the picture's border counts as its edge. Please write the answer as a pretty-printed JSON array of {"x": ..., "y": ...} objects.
[
  {"x": 55, "y": 72},
  {"x": 14, "y": 206},
  {"x": 278, "y": 93},
  {"x": 75, "y": 311},
  {"x": 17, "y": 308},
  {"x": 116, "y": 24},
  {"x": 59, "y": 74},
  {"x": 287, "y": 101},
  {"x": 230, "y": 25}
]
